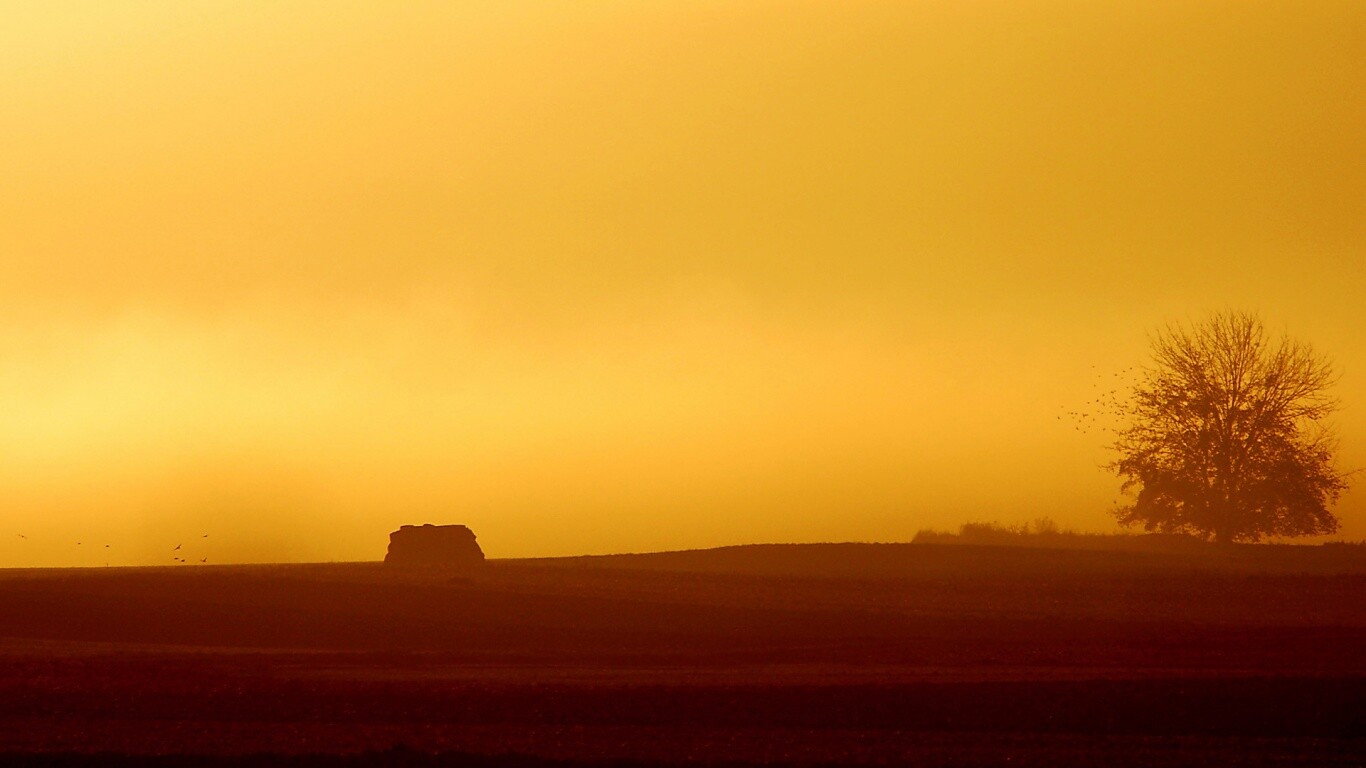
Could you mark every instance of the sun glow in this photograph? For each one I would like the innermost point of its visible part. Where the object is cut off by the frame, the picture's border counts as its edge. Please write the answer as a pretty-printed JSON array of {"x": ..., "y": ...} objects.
[{"x": 635, "y": 276}]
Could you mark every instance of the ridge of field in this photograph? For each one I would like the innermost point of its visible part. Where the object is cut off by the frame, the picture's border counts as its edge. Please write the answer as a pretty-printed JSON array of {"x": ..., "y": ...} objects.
[
  {"x": 918, "y": 605},
  {"x": 1080, "y": 554}
]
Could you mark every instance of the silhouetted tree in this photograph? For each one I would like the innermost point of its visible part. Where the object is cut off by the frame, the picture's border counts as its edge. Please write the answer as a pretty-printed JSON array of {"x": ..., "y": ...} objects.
[{"x": 1227, "y": 435}]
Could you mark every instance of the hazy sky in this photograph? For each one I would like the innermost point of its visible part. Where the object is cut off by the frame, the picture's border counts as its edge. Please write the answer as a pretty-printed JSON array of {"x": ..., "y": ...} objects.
[{"x": 609, "y": 276}]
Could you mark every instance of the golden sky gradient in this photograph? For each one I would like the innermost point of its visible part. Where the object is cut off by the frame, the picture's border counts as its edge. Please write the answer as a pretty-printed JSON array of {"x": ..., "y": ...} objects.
[{"x": 610, "y": 276}]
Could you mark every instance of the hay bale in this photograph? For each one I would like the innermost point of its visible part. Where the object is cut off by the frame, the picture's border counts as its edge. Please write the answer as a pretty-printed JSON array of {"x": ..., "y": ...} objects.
[{"x": 444, "y": 545}]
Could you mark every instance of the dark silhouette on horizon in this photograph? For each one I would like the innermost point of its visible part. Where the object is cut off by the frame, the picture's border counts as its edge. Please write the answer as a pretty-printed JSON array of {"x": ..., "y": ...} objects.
[
  {"x": 437, "y": 545},
  {"x": 1228, "y": 437}
]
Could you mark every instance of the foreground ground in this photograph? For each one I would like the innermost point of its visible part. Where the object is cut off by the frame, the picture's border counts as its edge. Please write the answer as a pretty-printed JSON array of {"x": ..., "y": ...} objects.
[{"x": 838, "y": 654}]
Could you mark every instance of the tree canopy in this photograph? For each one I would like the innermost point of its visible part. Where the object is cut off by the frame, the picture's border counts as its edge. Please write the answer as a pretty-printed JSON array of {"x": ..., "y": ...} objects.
[{"x": 1228, "y": 437}]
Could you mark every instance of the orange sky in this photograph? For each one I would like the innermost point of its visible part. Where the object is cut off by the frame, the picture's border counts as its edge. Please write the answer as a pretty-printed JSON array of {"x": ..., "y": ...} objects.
[{"x": 607, "y": 276}]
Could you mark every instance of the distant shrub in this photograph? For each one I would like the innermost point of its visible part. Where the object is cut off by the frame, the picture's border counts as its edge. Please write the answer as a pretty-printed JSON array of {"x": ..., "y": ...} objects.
[
  {"x": 1044, "y": 526},
  {"x": 986, "y": 533}
]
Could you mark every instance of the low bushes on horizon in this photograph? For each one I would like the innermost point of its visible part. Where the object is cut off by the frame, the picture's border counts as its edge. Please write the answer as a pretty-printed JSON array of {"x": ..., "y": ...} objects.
[{"x": 1045, "y": 532}]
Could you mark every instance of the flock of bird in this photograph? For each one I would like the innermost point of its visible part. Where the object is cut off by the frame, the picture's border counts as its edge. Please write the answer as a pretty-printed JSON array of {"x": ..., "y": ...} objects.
[
  {"x": 1106, "y": 406},
  {"x": 178, "y": 559},
  {"x": 175, "y": 557}
]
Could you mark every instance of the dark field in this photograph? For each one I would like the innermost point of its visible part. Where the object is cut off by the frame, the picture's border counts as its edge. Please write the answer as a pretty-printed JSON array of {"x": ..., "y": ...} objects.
[{"x": 829, "y": 654}]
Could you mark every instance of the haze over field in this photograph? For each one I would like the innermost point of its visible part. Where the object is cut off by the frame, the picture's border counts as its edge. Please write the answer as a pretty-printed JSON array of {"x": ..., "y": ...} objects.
[{"x": 593, "y": 277}]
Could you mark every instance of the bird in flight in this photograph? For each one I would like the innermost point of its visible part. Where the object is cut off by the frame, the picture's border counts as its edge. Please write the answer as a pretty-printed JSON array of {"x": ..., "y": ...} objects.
[
  {"x": 22, "y": 536},
  {"x": 177, "y": 548},
  {"x": 203, "y": 559}
]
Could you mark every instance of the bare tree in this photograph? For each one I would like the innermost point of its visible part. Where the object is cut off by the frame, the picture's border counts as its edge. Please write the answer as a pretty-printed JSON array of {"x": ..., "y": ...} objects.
[{"x": 1227, "y": 435}]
